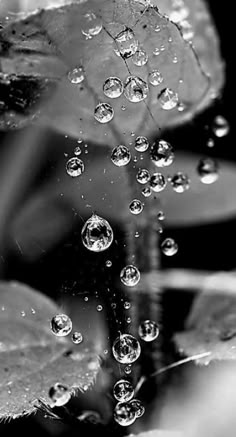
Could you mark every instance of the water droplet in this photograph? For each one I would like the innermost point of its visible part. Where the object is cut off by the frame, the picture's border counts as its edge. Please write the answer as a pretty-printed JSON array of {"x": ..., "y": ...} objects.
[
  {"x": 108, "y": 263},
  {"x": 146, "y": 192},
  {"x": 156, "y": 51},
  {"x": 128, "y": 369},
  {"x": 120, "y": 156},
  {"x": 140, "y": 58},
  {"x": 59, "y": 394},
  {"x": 181, "y": 107},
  {"x": 220, "y": 126},
  {"x": 113, "y": 87},
  {"x": 210, "y": 142},
  {"x": 136, "y": 207},
  {"x": 148, "y": 330},
  {"x": 76, "y": 75},
  {"x": 99, "y": 308},
  {"x": 155, "y": 78},
  {"x": 97, "y": 234},
  {"x": 123, "y": 390},
  {"x": 125, "y": 43},
  {"x": 103, "y": 113},
  {"x": 157, "y": 182},
  {"x": 127, "y": 305},
  {"x": 143, "y": 176},
  {"x": 208, "y": 170},
  {"x": 22, "y": 313},
  {"x": 141, "y": 144},
  {"x": 137, "y": 407},
  {"x": 77, "y": 151},
  {"x": 77, "y": 337},
  {"x": 161, "y": 153},
  {"x": 126, "y": 349},
  {"x": 168, "y": 99},
  {"x": 33, "y": 311},
  {"x": 169, "y": 247},
  {"x": 124, "y": 414},
  {"x": 180, "y": 182},
  {"x": 92, "y": 25},
  {"x": 61, "y": 325},
  {"x": 74, "y": 167},
  {"x": 130, "y": 276},
  {"x": 135, "y": 89},
  {"x": 161, "y": 215}
]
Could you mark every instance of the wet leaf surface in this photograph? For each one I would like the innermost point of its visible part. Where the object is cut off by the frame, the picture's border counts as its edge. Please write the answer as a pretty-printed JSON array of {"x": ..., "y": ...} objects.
[
  {"x": 210, "y": 327},
  {"x": 32, "y": 359},
  {"x": 49, "y": 44}
]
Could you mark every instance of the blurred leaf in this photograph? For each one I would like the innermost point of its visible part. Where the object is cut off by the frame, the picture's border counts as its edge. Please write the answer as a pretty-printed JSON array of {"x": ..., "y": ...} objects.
[
  {"x": 32, "y": 358},
  {"x": 210, "y": 327},
  {"x": 50, "y": 43}
]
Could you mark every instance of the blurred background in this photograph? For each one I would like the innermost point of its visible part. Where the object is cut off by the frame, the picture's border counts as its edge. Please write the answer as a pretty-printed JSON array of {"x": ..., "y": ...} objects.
[{"x": 42, "y": 212}]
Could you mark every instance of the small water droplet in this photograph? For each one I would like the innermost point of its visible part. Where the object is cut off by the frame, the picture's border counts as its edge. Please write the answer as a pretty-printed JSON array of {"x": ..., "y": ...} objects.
[
  {"x": 168, "y": 99},
  {"x": 140, "y": 58},
  {"x": 137, "y": 407},
  {"x": 77, "y": 151},
  {"x": 59, "y": 395},
  {"x": 135, "y": 89},
  {"x": 76, "y": 76},
  {"x": 128, "y": 369},
  {"x": 136, "y": 207},
  {"x": 208, "y": 170},
  {"x": 92, "y": 25},
  {"x": 61, "y": 325},
  {"x": 147, "y": 192},
  {"x": 77, "y": 337},
  {"x": 143, "y": 176},
  {"x": 22, "y": 313},
  {"x": 220, "y": 126},
  {"x": 180, "y": 182},
  {"x": 108, "y": 263},
  {"x": 126, "y": 349},
  {"x": 99, "y": 308},
  {"x": 161, "y": 215},
  {"x": 126, "y": 44},
  {"x": 103, "y": 113},
  {"x": 74, "y": 167},
  {"x": 148, "y": 330},
  {"x": 124, "y": 414},
  {"x": 155, "y": 78},
  {"x": 123, "y": 390},
  {"x": 169, "y": 247},
  {"x": 113, "y": 87},
  {"x": 120, "y": 156},
  {"x": 161, "y": 153},
  {"x": 33, "y": 311},
  {"x": 130, "y": 275},
  {"x": 97, "y": 234},
  {"x": 210, "y": 142},
  {"x": 156, "y": 51},
  {"x": 127, "y": 305},
  {"x": 157, "y": 182},
  {"x": 141, "y": 144}
]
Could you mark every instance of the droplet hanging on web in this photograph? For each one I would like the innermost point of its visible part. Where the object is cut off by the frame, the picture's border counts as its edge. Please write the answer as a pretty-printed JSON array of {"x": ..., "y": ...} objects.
[
  {"x": 157, "y": 182},
  {"x": 141, "y": 144},
  {"x": 103, "y": 113},
  {"x": 180, "y": 182},
  {"x": 168, "y": 99},
  {"x": 220, "y": 126},
  {"x": 126, "y": 349},
  {"x": 125, "y": 43},
  {"x": 136, "y": 207},
  {"x": 97, "y": 234},
  {"x": 161, "y": 153},
  {"x": 74, "y": 167},
  {"x": 155, "y": 78},
  {"x": 138, "y": 407},
  {"x": 123, "y": 390},
  {"x": 148, "y": 330},
  {"x": 169, "y": 247},
  {"x": 143, "y": 176},
  {"x": 113, "y": 87},
  {"x": 120, "y": 156},
  {"x": 77, "y": 337},
  {"x": 130, "y": 275},
  {"x": 61, "y": 325},
  {"x": 135, "y": 89},
  {"x": 124, "y": 414},
  {"x": 140, "y": 58}
]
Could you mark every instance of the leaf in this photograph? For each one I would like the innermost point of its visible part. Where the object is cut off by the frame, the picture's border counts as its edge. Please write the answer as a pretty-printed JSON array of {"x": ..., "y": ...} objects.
[
  {"x": 49, "y": 43},
  {"x": 32, "y": 359},
  {"x": 158, "y": 433},
  {"x": 210, "y": 327}
]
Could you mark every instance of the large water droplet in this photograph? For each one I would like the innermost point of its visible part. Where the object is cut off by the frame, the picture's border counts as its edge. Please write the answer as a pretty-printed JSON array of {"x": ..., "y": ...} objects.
[
  {"x": 161, "y": 153},
  {"x": 143, "y": 176},
  {"x": 74, "y": 167},
  {"x": 92, "y": 25},
  {"x": 169, "y": 247},
  {"x": 113, "y": 87},
  {"x": 130, "y": 276},
  {"x": 141, "y": 144},
  {"x": 126, "y": 349},
  {"x": 208, "y": 170},
  {"x": 136, "y": 206},
  {"x": 61, "y": 325},
  {"x": 140, "y": 58},
  {"x": 155, "y": 78},
  {"x": 76, "y": 75},
  {"x": 123, "y": 390},
  {"x": 157, "y": 182},
  {"x": 135, "y": 89},
  {"x": 124, "y": 414},
  {"x": 180, "y": 182},
  {"x": 77, "y": 337},
  {"x": 120, "y": 156},
  {"x": 138, "y": 407},
  {"x": 220, "y": 126},
  {"x": 125, "y": 43},
  {"x": 97, "y": 234},
  {"x": 148, "y": 330},
  {"x": 59, "y": 395},
  {"x": 103, "y": 113},
  {"x": 168, "y": 99}
]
